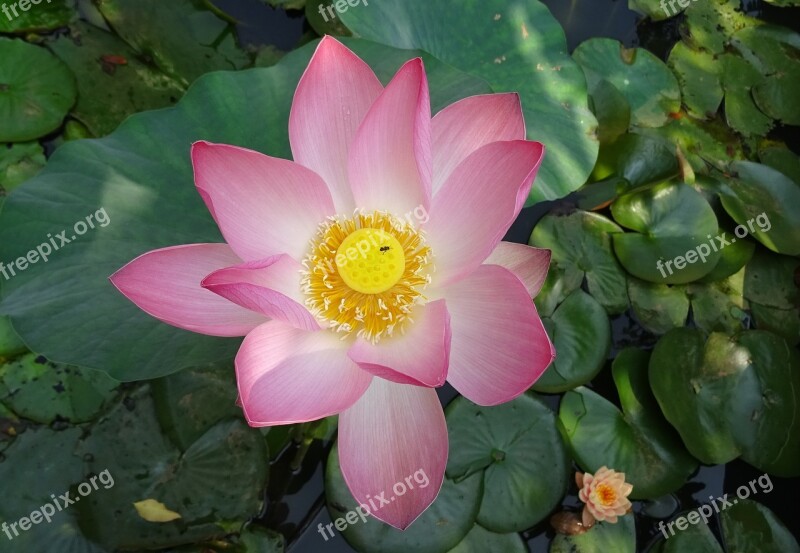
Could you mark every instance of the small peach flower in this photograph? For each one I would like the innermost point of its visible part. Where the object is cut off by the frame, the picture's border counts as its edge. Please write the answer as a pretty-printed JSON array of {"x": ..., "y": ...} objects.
[{"x": 605, "y": 494}]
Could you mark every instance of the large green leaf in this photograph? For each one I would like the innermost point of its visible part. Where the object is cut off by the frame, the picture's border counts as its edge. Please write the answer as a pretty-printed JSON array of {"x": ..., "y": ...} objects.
[
  {"x": 603, "y": 537},
  {"x": 519, "y": 452},
  {"x": 769, "y": 285},
  {"x": 670, "y": 220},
  {"x": 141, "y": 175},
  {"x": 442, "y": 526},
  {"x": 480, "y": 540},
  {"x": 648, "y": 84},
  {"x": 765, "y": 200},
  {"x": 698, "y": 75},
  {"x": 41, "y": 16},
  {"x": 516, "y": 47},
  {"x": 731, "y": 395},
  {"x": 636, "y": 441},
  {"x": 696, "y": 538},
  {"x": 658, "y": 307},
  {"x": 36, "y": 91},
  {"x": 638, "y": 159}
]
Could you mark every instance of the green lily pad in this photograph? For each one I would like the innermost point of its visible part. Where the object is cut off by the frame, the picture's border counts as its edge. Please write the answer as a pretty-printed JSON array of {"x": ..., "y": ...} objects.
[
  {"x": 719, "y": 306},
  {"x": 517, "y": 47},
  {"x": 603, "y": 537},
  {"x": 50, "y": 468},
  {"x": 696, "y": 538},
  {"x": 67, "y": 309},
  {"x": 193, "y": 400},
  {"x": 774, "y": 297},
  {"x": 442, "y": 526},
  {"x": 256, "y": 539},
  {"x": 198, "y": 41},
  {"x": 739, "y": 78},
  {"x": 731, "y": 395},
  {"x": 611, "y": 109},
  {"x": 658, "y": 307},
  {"x": 698, "y": 75},
  {"x": 636, "y": 441},
  {"x": 709, "y": 25},
  {"x": 519, "y": 452},
  {"x": 732, "y": 259},
  {"x": 648, "y": 84},
  {"x": 112, "y": 82},
  {"x": 581, "y": 333},
  {"x": 782, "y": 159},
  {"x": 40, "y": 16},
  {"x": 480, "y": 540},
  {"x": 559, "y": 284},
  {"x": 749, "y": 527},
  {"x": 18, "y": 163},
  {"x": 638, "y": 159},
  {"x": 36, "y": 91},
  {"x": 581, "y": 244},
  {"x": 220, "y": 476},
  {"x": 670, "y": 220},
  {"x": 704, "y": 143},
  {"x": 43, "y": 391},
  {"x": 760, "y": 194}
]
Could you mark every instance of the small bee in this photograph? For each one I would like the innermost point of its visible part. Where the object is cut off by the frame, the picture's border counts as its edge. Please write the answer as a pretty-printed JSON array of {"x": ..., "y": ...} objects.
[{"x": 385, "y": 249}]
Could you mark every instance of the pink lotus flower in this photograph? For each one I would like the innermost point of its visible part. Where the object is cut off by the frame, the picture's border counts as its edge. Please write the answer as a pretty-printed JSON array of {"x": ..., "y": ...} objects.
[
  {"x": 605, "y": 494},
  {"x": 431, "y": 293}
]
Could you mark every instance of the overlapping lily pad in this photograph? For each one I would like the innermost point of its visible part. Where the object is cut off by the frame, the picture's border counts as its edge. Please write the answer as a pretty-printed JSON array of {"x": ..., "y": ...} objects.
[
  {"x": 581, "y": 333},
  {"x": 36, "y": 91},
  {"x": 142, "y": 176},
  {"x": 670, "y": 220},
  {"x": 696, "y": 538},
  {"x": 442, "y": 526},
  {"x": 731, "y": 395},
  {"x": 636, "y": 440},
  {"x": 749, "y": 527},
  {"x": 520, "y": 455},
  {"x": 18, "y": 163},
  {"x": 40, "y": 16},
  {"x": 580, "y": 243},
  {"x": 638, "y": 159},
  {"x": 480, "y": 539},
  {"x": 603, "y": 537},
  {"x": 43, "y": 391},
  {"x": 774, "y": 297},
  {"x": 517, "y": 47},
  {"x": 698, "y": 75},
  {"x": 648, "y": 84}
]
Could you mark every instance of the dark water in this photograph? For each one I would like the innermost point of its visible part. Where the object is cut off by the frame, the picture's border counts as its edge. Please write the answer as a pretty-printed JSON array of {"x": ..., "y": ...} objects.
[{"x": 295, "y": 503}]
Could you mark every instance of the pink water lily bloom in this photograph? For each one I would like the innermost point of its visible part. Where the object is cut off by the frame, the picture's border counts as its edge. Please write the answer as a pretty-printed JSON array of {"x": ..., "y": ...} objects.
[{"x": 368, "y": 270}]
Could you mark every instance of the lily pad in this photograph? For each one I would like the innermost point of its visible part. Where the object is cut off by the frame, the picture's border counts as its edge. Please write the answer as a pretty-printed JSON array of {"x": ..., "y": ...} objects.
[
  {"x": 581, "y": 333},
  {"x": 670, "y": 220},
  {"x": 731, "y": 395},
  {"x": 636, "y": 441},
  {"x": 10, "y": 343},
  {"x": 198, "y": 41},
  {"x": 782, "y": 159},
  {"x": 611, "y": 109},
  {"x": 648, "y": 84},
  {"x": 696, "y": 538},
  {"x": 603, "y": 537},
  {"x": 43, "y": 391},
  {"x": 760, "y": 194},
  {"x": 749, "y": 527},
  {"x": 698, "y": 75},
  {"x": 658, "y": 307},
  {"x": 480, "y": 540},
  {"x": 517, "y": 47},
  {"x": 442, "y": 526},
  {"x": 774, "y": 296},
  {"x": 36, "y": 91},
  {"x": 219, "y": 477},
  {"x": 638, "y": 159},
  {"x": 519, "y": 453},
  {"x": 710, "y": 24},
  {"x": 739, "y": 78},
  {"x": 581, "y": 244},
  {"x": 67, "y": 310},
  {"x": 112, "y": 82},
  {"x": 719, "y": 306}
]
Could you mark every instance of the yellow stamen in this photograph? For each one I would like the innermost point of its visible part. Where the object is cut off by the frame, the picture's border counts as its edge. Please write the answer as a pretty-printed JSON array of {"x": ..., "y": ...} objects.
[
  {"x": 365, "y": 273},
  {"x": 606, "y": 494}
]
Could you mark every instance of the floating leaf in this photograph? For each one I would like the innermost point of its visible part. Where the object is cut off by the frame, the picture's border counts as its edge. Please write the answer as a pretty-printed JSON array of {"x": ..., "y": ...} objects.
[
  {"x": 658, "y": 307},
  {"x": 749, "y": 527},
  {"x": 698, "y": 75},
  {"x": 18, "y": 163},
  {"x": 519, "y": 453},
  {"x": 480, "y": 540},
  {"x": 36, "y": 91},
  {"x": 636, "y": 441},
  {"x": 603, "y": 537},
  {"x": 648, "y": 84},
  {"x": 39, "y": 17},
  {"x": 638, "y": 159}
]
